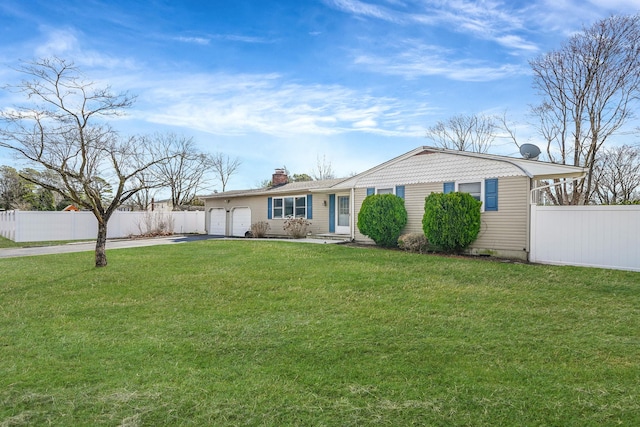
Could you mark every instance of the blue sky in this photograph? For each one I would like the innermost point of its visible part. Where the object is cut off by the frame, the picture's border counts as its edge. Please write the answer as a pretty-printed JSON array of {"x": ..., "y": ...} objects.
[{"x": 287, "y": 82}]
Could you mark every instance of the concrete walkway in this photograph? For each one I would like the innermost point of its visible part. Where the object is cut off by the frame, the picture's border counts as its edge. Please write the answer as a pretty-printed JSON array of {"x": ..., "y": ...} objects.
[{"x": 130, "y": 243}]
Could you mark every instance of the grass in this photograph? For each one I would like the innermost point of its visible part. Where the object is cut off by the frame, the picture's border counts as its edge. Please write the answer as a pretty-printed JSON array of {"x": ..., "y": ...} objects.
[
  {"x": 6, "y": 243},
  {"x": 280, "y": 333}
]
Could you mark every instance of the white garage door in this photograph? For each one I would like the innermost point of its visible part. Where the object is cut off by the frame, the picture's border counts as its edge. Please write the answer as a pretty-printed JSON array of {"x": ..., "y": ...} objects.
[
  {"x": 240, "y": 221},
  {"x": 218, "y": 222}
]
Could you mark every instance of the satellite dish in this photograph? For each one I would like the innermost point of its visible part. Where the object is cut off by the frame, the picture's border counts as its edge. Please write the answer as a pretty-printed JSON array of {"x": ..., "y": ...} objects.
[{"x": 529, "y": 151}]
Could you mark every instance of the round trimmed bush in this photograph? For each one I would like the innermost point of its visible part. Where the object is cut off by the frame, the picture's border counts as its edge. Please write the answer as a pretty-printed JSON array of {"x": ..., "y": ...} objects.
[
  {"x": 382, "y": 218},
  {"x": 451, "y": 221}
]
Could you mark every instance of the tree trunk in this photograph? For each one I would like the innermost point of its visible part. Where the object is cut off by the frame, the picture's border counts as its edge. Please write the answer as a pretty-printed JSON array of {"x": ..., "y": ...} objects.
[{"x": 101, "y": 244}]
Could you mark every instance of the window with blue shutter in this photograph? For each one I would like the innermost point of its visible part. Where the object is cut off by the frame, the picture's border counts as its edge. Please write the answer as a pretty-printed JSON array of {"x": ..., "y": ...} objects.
[
  {"x": 449, "y": 187},
  {"x": 371, "y": 191},
  {"x": 491, "y": 194},
  {"x": 332, "y": 213},
  {"x": 400, "y": 191},
  {"x": 290, "y": 207}
]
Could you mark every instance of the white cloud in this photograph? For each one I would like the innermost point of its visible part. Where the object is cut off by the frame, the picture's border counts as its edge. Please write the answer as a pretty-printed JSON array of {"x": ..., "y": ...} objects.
[
  {"x": 413, "y": 60},
  {"x": 360, "y": 8},
  {"x": 59, "y": 42},
  {"x": 517, "y": 43},
  {"x": 242, "y": 38},
  {"x": 566, "y": 17},
  {"x": 226, "y": 104},
  {"x": 227, "y": 37},
  {"x": 624, "y": 6},
  {"x": 368, "y": 123},
  {"x": 487, "y": 20},
  {"x": 64, "y": 43},
  {"x": 195, "y": 40}
]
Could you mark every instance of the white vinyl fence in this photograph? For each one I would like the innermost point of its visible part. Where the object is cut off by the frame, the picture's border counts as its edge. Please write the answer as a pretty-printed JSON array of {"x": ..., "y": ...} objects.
[
  {"x": 31, "y": 226},
  {"x": 595, "y": 236}
]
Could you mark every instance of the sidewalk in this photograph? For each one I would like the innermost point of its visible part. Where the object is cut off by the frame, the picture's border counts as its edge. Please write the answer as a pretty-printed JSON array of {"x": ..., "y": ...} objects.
[
  {"x": 130, "y": 243},
  {"x": 91, "y": 245}
]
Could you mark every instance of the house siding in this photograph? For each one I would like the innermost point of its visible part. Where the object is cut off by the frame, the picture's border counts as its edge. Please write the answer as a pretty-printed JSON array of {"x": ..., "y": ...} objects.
[
  {"x": 320, "y": 221},
  {"x": 414, "y": 175},
  {"x": 259, "y": 210},
  {"x": 359, "y": 195},
  {"x": 503, "y": 232}
]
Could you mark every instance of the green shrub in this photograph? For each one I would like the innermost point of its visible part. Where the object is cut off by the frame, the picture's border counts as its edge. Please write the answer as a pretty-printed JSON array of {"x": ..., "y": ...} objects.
[
  {"x": 414, "y": 242},
  {"x": 382, "y": 218},
  {"x": 451, "y": 221}
]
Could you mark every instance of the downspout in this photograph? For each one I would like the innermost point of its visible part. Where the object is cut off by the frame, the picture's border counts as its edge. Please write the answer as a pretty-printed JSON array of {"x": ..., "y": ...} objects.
[
  {"x": 529, "y": 217},
  {"x": 352, "y": 208}
]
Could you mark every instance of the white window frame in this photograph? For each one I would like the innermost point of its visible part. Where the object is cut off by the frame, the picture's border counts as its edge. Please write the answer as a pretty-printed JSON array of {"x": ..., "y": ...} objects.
[
  {"x": 392, "y": 188},
  {"x": 482, "y": 185},
  {"x": 284, "y": 216}
]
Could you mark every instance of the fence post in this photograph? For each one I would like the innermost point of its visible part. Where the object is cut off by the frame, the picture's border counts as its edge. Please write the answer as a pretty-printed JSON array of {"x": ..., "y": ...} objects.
[
  {"x": 17, "y": 232},
  {"x": 533, "y": 228}
]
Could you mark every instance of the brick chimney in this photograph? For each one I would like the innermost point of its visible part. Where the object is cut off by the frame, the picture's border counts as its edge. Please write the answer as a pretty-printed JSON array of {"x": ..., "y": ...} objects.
[{"x": 279, "y": 178}]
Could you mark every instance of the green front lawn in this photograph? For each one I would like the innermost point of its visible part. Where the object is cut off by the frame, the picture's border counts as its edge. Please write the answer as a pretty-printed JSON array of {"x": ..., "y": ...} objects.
[
  {"x": 282, "y": 333},
  {"x": 6, "y": 243}
]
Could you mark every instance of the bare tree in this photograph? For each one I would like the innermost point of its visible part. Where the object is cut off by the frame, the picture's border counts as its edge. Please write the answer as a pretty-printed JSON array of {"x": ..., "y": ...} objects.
[
  {"x": 589, "y": 87},
  {"x": 474, "y": 132},
  {"x": 508, "y": 129},
  {"x": 617, "y": 175},
  {"x": 142, "y": 199},
  {"x": 224, "y": 167},
  {"x": 185, "y": 171},
  {"x": 59, "y": 129},
  {"x": 323, "y": 169}
]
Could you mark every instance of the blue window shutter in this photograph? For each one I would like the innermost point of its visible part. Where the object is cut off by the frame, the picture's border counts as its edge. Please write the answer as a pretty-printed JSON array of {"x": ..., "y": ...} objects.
[
  {"x": 269, "y": 208},
  {"x": 491, "y": 194},
  {"x": 400, "y": 191},
  {"x": 371, "y": 191},
  {"x": 449, "y": 187},
  {"x": 309, "y": 207},
  {"x": 332, "y": 213}
]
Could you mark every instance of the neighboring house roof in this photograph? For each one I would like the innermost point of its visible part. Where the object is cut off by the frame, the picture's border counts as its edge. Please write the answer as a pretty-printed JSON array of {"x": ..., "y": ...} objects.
[{"x": 422, "y": 165}]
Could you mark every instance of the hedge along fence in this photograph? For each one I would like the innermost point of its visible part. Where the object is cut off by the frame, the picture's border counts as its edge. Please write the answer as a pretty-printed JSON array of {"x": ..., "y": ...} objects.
[{"x": 33, "y": 226}]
